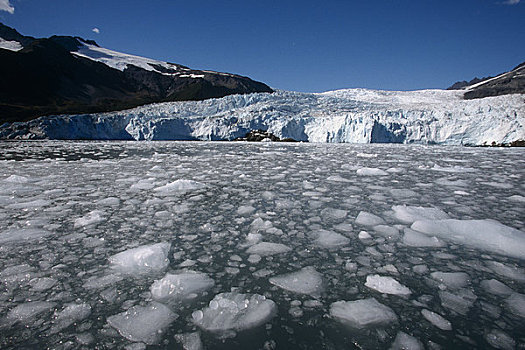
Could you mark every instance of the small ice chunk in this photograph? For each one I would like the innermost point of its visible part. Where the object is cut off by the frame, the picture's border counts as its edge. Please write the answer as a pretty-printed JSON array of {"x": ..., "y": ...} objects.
[
  {"x": 362, "y": 313},
  {"x": 500, "y": 340},
  {"x": 177, "y": 287},
  {"x": 96, "y": 282},
  {"x": 437, "y": 320},
  {"x": 190, "y": 341},
  {"x": 516, "y": 304},
  {"x": 231, "y": 312},
  {"x": 143, "y": 259},
  {"x": 17, "y": 179},
  {"x": 496, "y": 287},
  {"x": 245, "y": 210},
  {"x": 409, "y": 214},
  {"x": 517, "y": 198},
  {"x": 92, "y": 218},
  {"x": 404, "y": 341},
  {"x": 110, "y": 201},
  {"x": 367, "y": 219},
  {"x": 488, "y": 235},
  {"x": 452, "y": 280},
  {"x": 26, "y": 312},
  {"x": 180, "y": 186},
  {"x": 72, "y": 313},
  {"x": 387, "y": 285},
  {"x": 413, "y": 238},
  {"x": 329, "y": 239},
  {"x": 305, "y": 281},
  {"x": 268, "y": 248},
  {"x": 386, "y": 231},
  {"x": 143, "y": 323},
  {"x": 364, "y": 235},
  {"x": 371, "y": 172}
]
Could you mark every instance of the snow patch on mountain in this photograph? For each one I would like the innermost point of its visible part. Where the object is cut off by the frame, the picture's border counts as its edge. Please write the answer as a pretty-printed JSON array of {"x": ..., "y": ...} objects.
[{"x": 10, "y": 45}]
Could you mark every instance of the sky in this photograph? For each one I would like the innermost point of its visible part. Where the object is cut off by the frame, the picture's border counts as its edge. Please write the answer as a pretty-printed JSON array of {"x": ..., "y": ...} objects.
[{"x": 307, "y": 45}]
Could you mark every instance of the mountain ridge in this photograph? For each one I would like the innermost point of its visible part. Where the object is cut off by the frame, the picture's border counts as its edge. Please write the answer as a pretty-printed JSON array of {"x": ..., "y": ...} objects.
[{"x": 46, "y": 76}]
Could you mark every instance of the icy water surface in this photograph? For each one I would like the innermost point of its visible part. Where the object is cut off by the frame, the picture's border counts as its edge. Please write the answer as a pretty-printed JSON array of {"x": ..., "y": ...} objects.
[{"x": 260, "y": 246}]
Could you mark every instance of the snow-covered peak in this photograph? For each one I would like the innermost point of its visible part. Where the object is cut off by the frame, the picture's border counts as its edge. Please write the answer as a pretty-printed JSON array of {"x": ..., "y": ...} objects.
[{"x": 10, "y": 45}]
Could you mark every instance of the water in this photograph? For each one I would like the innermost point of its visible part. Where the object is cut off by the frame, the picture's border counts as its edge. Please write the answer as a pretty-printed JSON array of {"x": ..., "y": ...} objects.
[{"x": 66, "y": 208}]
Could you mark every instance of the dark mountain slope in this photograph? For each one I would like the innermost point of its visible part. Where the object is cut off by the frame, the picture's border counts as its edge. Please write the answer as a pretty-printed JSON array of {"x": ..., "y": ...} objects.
[{"x": 45, "y": 78}]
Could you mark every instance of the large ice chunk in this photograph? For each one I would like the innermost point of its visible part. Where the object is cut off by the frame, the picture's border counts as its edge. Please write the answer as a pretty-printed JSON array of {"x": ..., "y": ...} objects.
[
  {"x": 182, "y": 286},
  {"x": 367, "y": 219},
  {"x": 329, "y": 239},
  {"x": 387, "y": 285},
  {"x": 143, "y": 323},
  {"x": 180, "y": 186},
  {"x": 488, "y": 235},
  {"x": 143, "y": 259},
  {"x": 228, "y": 313},
  {"x": 305, "y": 281},
  {"x": 268, "y": 248},
  {"x": 362, "y": 313},
  {"x": 409, "y": 214}
]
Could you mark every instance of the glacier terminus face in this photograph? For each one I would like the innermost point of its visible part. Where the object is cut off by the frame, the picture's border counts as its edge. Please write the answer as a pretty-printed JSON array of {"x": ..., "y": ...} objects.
[
  {"x": 235, "y": 245},
  {"x": 343, "y": 116}
]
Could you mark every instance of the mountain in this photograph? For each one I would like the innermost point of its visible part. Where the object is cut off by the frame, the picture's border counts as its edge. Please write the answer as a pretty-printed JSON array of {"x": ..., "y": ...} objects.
[
  {"x": 512, "y": 82},
  {"x": 67, "y": 75},
  {"x": 353, "y": 116}
]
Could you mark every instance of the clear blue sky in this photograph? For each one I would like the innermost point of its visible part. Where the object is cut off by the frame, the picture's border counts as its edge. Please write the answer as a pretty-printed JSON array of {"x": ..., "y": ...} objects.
[{"x": 299, "y": 45}]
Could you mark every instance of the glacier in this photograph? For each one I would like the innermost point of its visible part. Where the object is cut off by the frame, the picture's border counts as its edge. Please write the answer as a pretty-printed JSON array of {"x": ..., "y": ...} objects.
[{"x": 342, "y": 116}]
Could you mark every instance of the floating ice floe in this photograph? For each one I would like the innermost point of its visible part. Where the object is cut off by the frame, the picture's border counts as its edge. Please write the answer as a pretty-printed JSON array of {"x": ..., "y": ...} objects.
[
  {"x": 180, "y": 186},
  {"x": 410, "y": 214},
  {"x": 143, "y": 323},
  {"x": 182, "y": 286},
  {"x": 413, "y": 238},
  {"x": 460, "y": 301},
  {"x": 387, "y": 285},
  {"x": 245, "y": 210},
  {"x": 143, "y": 259},
  {"x": 92, "y": 218},
  {"x": 436, "y": 319},
  {"x": 305, "y": 281},
  {"x": 404, "y": 341},
  {"x": 452, "y": 280},
  {"x": 190, "y": 341},
  {"x": 70, "y": 314},
  {"x": 367, "y": 219},
  {"x": 229, "y": 313},
  {"x": 371, "y": 172},
  {"x": 512, "y": 272},
  {"x": 500, "y": 340},
  {"x": 362, "y": 313},
  {"x": 488, "y": 235},
  {"x": 329, "y": 239},
  {"x": 516, "y": 304},
  {"x": 268, "y": 248},
  {"x": 496, "y": 287},
  {"x": 25, "y": 234},
  {"x": 333, "y": 214},
  {"x": 25, "y": 313}
]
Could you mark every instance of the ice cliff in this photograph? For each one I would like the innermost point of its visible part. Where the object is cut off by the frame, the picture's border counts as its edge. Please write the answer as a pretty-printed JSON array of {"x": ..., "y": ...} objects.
[{"x": 352, "y": 115}]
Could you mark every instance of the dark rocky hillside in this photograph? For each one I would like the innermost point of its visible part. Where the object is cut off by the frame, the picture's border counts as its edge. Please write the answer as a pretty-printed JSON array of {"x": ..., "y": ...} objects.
[{"x": 45, "y": 78}]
